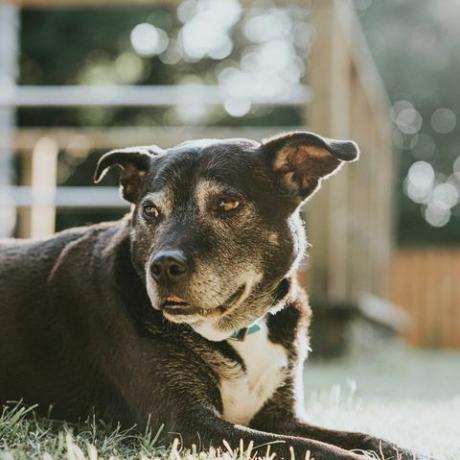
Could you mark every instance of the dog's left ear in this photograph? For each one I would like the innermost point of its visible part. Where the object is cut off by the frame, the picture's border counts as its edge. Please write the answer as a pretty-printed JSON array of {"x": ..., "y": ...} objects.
[
  {"x": 303, "y": 159},
  {"x": 135, "y": 162}
]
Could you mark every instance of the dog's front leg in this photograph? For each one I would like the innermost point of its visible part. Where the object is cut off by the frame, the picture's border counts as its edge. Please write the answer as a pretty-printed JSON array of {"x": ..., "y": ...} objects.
[
  {"x": 351, "y": 441},
  {"x": 181, "y": 393},
  {"x": 205, "y": 428},
  {"x": 279, "y": 415}
]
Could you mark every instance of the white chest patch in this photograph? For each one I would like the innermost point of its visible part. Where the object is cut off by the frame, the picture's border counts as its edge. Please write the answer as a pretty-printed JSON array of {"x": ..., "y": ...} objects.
[{"x": 244, "y": 392}]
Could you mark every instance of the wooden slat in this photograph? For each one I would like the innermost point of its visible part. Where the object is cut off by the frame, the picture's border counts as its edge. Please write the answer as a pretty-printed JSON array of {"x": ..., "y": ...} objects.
[
  {"x": 329, "y": 72},
  {"x": 350, "y": 219},
  {"x": 40, "y": 173},
  {"x": 425, "y": 283}
]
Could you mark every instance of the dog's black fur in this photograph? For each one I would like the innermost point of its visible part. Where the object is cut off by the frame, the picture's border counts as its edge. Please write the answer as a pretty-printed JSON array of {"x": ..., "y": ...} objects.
[{"x": 132, "y": 319}]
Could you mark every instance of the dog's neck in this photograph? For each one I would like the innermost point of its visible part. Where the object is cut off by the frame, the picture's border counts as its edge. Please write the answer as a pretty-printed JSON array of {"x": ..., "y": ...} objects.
[{"x": 279, "y": 297}]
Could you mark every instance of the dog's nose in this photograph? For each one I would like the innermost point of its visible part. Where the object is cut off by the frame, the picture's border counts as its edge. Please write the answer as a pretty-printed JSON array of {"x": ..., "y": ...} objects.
[{"x": 169, "y": 266}]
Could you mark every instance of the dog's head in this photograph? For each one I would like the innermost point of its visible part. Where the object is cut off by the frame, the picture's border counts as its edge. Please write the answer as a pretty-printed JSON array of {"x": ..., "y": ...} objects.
[{"x": 216, "y": 229}]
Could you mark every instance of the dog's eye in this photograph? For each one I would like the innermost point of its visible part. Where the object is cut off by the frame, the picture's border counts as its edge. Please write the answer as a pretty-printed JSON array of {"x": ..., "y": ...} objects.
[
  {"x": 151, "y": 211},
  {"x": 226, "y": 204}
]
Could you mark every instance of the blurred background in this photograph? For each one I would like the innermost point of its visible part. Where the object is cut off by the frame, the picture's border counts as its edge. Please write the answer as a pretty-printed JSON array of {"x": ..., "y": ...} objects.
[{"x": 78, "y": 78}]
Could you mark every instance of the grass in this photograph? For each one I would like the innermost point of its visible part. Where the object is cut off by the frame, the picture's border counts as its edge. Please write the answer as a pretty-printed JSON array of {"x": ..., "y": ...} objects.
[
  {"x": 24, "y": 435},
  {"x": 411, "y": 397}
]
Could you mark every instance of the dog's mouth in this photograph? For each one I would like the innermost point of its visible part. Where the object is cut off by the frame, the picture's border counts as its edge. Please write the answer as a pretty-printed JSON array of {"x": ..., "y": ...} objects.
[{"x": 174, "y": 306}]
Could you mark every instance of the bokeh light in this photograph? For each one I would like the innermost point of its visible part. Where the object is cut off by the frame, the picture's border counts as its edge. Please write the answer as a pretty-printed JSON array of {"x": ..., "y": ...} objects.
[
  {"x": 408, "y": 120},
  {"x": 445, "y": 196},
  {"x": 419, "y": 182},
  {"x": 237, "y": 107},
  {"x": 128, "y": 67},
  {"x": 268, "y": 25},
  {"x": 207, "y": 27},
  {"x": 148, "y": 40},
  {"x": 436, "y": 216},
  {"x": 191, "y": 109},
  {"x": 443, "y": 120},
  {"x": 421, "y": 174}
]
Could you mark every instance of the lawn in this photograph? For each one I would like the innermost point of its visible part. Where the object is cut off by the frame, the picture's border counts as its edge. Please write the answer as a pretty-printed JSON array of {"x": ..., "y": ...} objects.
[{"x": 411, "y": 397}]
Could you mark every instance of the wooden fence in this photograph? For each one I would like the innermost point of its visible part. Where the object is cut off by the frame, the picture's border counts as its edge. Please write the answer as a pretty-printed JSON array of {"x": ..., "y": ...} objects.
[
  {"x": 349, "y": 222},
  {"x": 426, "y": 282}
]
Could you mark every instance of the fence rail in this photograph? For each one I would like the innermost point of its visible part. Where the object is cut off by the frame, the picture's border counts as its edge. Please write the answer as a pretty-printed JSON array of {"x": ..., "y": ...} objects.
[
  {"x": 426, "y": 283},
  {"x": 124, "y": 3},
  {"x": 25, "y": 139},
  {"x": 62, "y": 197},
  {"x": 136, "y": 96}
]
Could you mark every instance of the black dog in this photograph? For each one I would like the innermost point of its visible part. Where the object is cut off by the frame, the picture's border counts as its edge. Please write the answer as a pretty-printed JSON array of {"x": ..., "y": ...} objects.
[{"x": 187, "y": 310}]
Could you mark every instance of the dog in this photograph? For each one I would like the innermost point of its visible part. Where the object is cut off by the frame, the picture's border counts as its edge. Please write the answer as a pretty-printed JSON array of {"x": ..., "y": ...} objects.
[{"x": 185, "y": 313}]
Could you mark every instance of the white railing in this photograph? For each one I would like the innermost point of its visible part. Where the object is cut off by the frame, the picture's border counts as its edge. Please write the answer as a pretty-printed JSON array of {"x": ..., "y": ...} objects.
[{"x": 136, "y": 96}]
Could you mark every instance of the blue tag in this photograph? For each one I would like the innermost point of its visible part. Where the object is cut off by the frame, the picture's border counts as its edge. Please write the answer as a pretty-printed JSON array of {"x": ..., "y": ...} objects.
[{"x": 242, "y": 333}]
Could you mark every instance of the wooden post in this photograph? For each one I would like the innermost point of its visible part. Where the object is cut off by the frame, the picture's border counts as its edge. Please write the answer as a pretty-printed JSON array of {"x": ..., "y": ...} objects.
[
  {"x": 363, "y": 215},
  {"x": 328, "y": 114},
  {"x": 9, "y": 25},
  {"x": 40, "y": 173},
  {"x": 349, "y": 221}
]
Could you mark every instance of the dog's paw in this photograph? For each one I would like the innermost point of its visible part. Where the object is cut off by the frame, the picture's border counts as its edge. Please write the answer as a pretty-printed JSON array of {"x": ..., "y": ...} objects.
[
  {"x": 410, "y": 455},
  {"x": 383, "y": 450}
]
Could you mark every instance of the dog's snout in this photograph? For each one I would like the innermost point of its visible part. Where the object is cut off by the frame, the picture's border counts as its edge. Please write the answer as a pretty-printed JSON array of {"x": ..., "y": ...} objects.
[{"x": 169, "y": 266}]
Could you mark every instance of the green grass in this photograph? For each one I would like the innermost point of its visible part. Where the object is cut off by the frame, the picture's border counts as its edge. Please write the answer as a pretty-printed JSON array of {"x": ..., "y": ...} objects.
[
  {"x": 411, "y": 397},
  {"x": 25, "y": 435}
]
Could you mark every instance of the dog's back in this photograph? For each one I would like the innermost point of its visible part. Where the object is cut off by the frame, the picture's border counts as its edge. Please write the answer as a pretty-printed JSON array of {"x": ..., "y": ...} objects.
[
  {"x": 30, "y": 342},
  {"x": 25, "y": 266}
]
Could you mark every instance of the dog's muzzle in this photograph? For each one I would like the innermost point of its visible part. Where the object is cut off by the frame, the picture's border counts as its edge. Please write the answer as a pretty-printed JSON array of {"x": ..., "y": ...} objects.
[{"x": 176, "y": 306}]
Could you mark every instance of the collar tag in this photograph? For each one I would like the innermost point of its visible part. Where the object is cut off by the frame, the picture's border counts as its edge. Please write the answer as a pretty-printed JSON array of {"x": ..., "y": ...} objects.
[{"x": 242, "y": 333}]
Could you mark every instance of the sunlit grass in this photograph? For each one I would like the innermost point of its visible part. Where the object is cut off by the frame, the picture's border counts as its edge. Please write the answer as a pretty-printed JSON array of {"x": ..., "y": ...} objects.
[
  {"x": 25, "y": 435},
  {"x": 410, "y": 397}
]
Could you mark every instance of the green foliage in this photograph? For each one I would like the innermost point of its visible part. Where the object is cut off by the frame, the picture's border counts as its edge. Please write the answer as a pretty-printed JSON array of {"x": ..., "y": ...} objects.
[{"x": 416, "y": 44}]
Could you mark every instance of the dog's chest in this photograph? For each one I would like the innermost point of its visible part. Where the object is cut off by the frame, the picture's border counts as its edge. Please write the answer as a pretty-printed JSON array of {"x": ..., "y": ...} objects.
[{"x": 244, "y": 391}]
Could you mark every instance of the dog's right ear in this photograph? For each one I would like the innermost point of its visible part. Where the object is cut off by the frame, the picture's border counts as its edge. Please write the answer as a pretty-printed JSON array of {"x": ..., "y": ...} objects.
[
  {"x": 135, "y": 162},
  {"x": 301, "y": 160}
]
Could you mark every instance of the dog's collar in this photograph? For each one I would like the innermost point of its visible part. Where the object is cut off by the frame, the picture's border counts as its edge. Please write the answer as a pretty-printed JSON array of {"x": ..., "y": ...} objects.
[
  {"x": 242, "y": 333},
  {"x": 280, "y": 293}
]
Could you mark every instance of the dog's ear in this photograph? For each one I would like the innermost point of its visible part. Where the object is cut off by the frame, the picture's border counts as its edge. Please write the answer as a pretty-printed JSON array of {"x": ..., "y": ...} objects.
[
  {"x": 135, "y": 162},
  {"x": 302, "y": 159}
]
